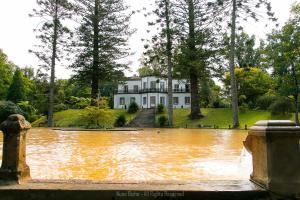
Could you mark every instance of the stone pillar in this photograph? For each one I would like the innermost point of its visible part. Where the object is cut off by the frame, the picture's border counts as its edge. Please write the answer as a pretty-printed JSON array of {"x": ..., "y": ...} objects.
[
  {"x": 14, "y": 167},
  {"x": 275, "y": 149}
]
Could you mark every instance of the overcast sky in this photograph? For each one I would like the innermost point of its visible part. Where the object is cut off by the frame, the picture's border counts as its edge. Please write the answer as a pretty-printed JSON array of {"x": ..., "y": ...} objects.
[{"x": 17, "y": 37}]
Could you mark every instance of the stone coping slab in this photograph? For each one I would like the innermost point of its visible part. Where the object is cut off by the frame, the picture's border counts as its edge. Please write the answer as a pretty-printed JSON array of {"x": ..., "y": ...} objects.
[{"x": 211, "y": 186}]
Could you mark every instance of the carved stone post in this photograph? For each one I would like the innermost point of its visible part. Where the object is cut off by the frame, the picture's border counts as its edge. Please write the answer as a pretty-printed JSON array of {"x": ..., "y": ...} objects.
[
  {"x": 14, "y": 167},
  {"x": 275, "y": 152}
]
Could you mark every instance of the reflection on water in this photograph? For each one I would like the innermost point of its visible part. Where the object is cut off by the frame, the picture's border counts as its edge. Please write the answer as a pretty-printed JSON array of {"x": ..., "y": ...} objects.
[{"x": 148, "y": 155}]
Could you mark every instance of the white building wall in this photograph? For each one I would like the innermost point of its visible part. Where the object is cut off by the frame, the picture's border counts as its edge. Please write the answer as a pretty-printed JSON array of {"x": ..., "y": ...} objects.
[{"x": 139, "y": 97}]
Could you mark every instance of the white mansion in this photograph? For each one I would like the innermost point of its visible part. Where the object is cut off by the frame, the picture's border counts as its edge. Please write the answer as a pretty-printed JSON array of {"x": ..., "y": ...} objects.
[{"x": 150, "y": 91}]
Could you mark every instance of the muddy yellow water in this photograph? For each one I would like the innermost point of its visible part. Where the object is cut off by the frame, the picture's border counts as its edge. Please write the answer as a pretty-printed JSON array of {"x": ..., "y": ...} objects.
[{"x": 147, "y": 155}]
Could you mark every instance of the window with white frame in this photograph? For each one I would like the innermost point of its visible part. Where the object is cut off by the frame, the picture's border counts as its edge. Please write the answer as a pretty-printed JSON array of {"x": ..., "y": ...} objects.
[
  {"x": 144, "y": 85},
  {"x": 176, "y": 87},
  {"x": 162, "y": 86},
  {"x": 187, "y": 100},
  {"x": 153, "y": 84},
  {"x": 132, "y": 99},
  {"x": 125, "y": 88},
  {"x": 163, "y": 100},
  {"x": 152, "y": 100},
  {"x": 144, "y": 100},
  {"x": 136, "y": 88},
  {"x": 122, "y": 101},
  {"x": 175, "y": 100}
]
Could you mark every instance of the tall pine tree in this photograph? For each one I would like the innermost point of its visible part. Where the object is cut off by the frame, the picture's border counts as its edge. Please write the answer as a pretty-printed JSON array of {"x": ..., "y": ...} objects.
[
  {"x": 239, "y": 10},
  {"x": 52, "y": 36},
  {"x": 101, "y": 40},
  {"x": 16, "y": 91}
]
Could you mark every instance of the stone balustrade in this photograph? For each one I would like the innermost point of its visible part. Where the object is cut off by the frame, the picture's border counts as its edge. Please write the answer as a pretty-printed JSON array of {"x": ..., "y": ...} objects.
[
  {"x": 275, "y": 152},
  {"x": 14, "y": 167}
]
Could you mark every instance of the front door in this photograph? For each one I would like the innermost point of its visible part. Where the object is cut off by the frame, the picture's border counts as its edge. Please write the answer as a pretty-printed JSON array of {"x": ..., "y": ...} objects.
[{"x": 152, "y": 101}]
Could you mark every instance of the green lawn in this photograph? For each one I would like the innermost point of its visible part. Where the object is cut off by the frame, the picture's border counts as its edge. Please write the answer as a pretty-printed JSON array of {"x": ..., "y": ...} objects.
[
  {"x": 221, "y": 117},
  {"x": 74, "y": 118}
]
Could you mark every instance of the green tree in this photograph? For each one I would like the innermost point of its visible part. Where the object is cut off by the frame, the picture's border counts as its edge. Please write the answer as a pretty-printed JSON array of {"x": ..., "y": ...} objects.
[
  {"x": 101, "y": 40},
  {"x": 52, "y": 39},
  {"x": 6, "y": 74},
  {"x": 16, "y": 91},
  {"x": 246, "y": 54},
  {"x": 195, "y": 23},
  {"x": 251, "y": 83},
  {"x": 283, "y": 53},
  {"x": 239, "y": 10}
]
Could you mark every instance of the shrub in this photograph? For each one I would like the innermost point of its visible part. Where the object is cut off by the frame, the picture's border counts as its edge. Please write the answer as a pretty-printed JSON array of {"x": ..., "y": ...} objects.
[
  {"x": 103, "y": 103},
  {"x": 8, "y": 108},
  {"x": 221, "y": 103},
  {"x": 243, "y": 108},
  {"x": 78, "y": 102},
  {"x": 133, "y": 107},
  {"x": 30, "y": 113},
  {"x": 264, "y": 102},
  {"x": 60, "y": 107},
  {"x": 120, "y": 121},
  {"x": 93, "y": 116},
  {"x": 281, "y": 106},
  {"x": 160, "y": 108},
  {"x": 162, "y": 120}
]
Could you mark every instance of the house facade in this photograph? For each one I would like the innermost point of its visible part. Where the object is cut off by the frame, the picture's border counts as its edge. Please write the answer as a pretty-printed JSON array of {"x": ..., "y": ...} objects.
[{"x": 150, "y": 91}]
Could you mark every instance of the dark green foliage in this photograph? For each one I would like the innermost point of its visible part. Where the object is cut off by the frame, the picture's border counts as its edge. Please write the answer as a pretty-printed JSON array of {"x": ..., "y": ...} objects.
[
  {"x": 120, "y": 121},
  {"x": 133, "y": 107},
  {"x": 60, "y": 107},
  {"x": 162, "y": 120},
  {"x": 30, "y": 113},
  {"x": 243, "y": 108},
  {"x": 100, "y": 41},
  {"x": 8, "y": 108},
  {"x": 160, "y": 108},
  {"x": 281, "y": 107},
  {"x": 78, "y": 102},
  {"x": 6, "y": 74},
  {"x": 16, "y": 91},
  {"x": 264, "y": 102}
]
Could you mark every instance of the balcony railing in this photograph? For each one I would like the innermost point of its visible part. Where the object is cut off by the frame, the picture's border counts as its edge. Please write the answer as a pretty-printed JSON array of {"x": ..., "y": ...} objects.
[{"x": 152, "y": 90}]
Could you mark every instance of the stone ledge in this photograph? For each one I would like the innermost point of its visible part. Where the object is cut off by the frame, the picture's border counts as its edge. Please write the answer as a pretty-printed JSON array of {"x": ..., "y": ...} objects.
[{"x": 80, "y": 189}]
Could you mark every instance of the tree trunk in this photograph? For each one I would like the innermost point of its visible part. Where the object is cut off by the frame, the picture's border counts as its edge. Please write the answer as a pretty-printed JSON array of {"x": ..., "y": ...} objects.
[
  {"x": 295, "y": 95},
  {"x": 195, "y": 101},
  {"x": 234, "y": 95},
  {"x": 195, "y": 105},
  {"x": 170, "y": 65},
  {"x": 296, "y": 109},
  {"x": 52, "y": 76},
  {"x": 95, "y": 67}
]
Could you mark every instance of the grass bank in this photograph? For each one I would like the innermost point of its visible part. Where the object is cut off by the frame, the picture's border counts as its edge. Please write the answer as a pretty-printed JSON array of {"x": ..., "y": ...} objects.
[
  {"x": 76, "y": 118},
  {"x": 221, "y": 117}
]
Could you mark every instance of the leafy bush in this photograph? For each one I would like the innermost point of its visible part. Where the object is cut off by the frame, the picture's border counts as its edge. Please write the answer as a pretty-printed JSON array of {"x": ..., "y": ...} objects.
[
  {"x": 162, "y": 120},
  {"x": 103, "y": 103},
  {"x": 281, "y": 106},
  {"x": 94, "y": 117},
  {"x": 220, "y": 104},
  {"x": 78, "y": 102},
  {"x": 120, "y": 121},
  {"x": 160, "y": 108},
  {"x": 8, "y": 108},
  {"x": 60, "y": 107},
  {"x": 243, "y": 108},
  {"x": 133, "y": 107},
  {"x": 30, "y": 113},
  {"x": 264, "y": 102}
]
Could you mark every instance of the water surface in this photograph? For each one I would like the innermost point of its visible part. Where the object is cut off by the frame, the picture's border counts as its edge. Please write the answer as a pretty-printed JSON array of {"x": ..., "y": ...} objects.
[{"x": 148, "y": 155}]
